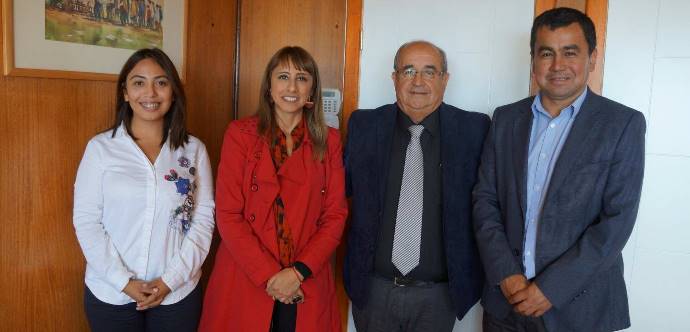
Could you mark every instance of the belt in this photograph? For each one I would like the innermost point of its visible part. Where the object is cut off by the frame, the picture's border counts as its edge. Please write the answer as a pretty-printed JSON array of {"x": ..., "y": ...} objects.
[{"x": 408, "y": 282}]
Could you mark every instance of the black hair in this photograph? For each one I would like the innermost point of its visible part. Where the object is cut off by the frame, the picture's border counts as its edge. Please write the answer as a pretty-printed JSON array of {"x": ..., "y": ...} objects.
[
  {"x": 562, "y": 17},
  {"x": 174, "y": 120}
]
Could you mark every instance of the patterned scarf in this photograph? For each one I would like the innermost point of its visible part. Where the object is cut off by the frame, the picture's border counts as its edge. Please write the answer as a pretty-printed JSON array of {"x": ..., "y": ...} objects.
[{"x": 279, "y": 154}]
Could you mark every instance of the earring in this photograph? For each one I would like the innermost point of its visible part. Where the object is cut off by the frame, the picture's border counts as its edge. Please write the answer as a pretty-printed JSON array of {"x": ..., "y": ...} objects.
[{"x": 309, "y": 104}]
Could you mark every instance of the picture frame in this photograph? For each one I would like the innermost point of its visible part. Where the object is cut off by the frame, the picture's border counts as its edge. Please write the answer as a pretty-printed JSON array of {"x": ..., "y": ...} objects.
[{"x": 27, "y": 52}]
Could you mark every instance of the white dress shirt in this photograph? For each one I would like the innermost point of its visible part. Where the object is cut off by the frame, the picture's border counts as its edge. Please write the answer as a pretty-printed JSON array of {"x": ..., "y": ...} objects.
[{"x": 137, "y": 220}]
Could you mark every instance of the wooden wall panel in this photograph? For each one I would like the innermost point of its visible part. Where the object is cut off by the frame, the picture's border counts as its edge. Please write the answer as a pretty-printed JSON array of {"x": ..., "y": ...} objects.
[
  {"x": 267, "y": 25},
  {"x": 44, "y": 127},
  {"x": 353, "y": 50},
  {"x": 211, "y": 69},
  {"x": 577, "y": 4},
  {"x": 210, "y": 83},
  {"x": 597, "y": 10}
]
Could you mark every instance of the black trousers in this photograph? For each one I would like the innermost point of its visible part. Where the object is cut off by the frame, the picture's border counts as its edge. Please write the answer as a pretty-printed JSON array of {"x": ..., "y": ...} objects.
[
  {"x": 514, "y": 322},
  {"x": 182, "y": 316},
  {"x": 284, "y": 318},
  {"x": 392, "y": 308}
]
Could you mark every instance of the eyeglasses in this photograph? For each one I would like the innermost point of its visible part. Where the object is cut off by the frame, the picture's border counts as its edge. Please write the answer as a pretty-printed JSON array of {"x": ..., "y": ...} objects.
[{"x": 410, "y": 73}]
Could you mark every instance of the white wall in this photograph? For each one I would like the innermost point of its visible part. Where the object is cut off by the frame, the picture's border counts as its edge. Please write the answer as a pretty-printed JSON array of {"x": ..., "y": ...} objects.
[
  {"x": 487, "y": 44},
  {"x": 648, "y": 68}
]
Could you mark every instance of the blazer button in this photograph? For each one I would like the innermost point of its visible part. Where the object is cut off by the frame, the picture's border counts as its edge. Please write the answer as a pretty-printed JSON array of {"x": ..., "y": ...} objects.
[
  {"x": 323, "y": 191},
  {"x": 252, "y": 218},
  {"x": 254, "y": 187},
  {"x": 516, "y": 252}
]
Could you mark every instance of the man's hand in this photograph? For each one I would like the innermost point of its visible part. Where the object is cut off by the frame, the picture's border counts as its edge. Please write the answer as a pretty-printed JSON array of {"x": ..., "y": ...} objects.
[
  {"x": 283, "y": 286},
  {"x": 530, "y": 301},
  {"x": 157, "y": 290},
  {"x": 512, "y": 284}
]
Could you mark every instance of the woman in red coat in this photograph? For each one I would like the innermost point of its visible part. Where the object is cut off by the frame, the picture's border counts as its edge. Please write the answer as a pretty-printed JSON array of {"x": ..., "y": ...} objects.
[{"x": 280, "y": 205}]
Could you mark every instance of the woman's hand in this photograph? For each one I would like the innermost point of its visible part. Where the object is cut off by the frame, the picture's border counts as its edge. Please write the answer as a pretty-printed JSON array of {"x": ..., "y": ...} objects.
[
  {"x": 157, "y": 290},
  {"x": 299, "y": 297},
  {"x": 283, "y": 286},
  {"x": 135, "y": 290}
]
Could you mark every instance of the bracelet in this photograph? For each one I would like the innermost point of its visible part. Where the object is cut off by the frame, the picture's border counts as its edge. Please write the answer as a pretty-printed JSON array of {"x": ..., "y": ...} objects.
[{"x": 294, "y": 270}]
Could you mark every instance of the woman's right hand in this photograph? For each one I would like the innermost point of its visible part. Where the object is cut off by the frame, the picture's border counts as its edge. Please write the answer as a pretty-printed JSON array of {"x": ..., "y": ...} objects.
[
  {"x": 135, "y": 290},
  {"x": 283, "y": 285}
]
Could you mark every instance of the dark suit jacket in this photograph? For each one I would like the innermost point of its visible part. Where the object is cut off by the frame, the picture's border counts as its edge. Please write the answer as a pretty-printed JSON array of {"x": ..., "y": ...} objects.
[
  {"x": 369, "y": 138},
  {"x": 588, "y": 213}
]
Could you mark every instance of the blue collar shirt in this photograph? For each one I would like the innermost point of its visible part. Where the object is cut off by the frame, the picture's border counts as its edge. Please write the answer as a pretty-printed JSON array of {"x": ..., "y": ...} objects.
[{"x": 547, "y": 138}]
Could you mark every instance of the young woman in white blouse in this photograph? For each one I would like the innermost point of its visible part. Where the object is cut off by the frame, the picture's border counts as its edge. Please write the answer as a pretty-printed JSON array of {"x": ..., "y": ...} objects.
[{"x": 143, "y": 206}]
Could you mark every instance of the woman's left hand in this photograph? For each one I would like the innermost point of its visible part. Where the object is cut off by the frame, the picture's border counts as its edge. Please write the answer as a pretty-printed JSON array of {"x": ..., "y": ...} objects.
[
  {"x": 158, "y": 291},
  {"x": 283, "y": 285}
]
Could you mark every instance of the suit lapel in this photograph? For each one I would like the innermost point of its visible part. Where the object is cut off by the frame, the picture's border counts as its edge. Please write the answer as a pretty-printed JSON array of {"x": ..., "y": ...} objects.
[
  {"x": 454, "y": 152},
  {"x": 384, "y": 138},
  {"x": 453, "y": 146},
  {"x": 521, "y": 134},
  {"x": 587, "y": 120}
]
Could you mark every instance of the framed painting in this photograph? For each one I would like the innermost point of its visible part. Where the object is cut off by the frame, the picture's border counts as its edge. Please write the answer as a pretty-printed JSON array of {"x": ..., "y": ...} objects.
[{"x": 88, "y": 39}]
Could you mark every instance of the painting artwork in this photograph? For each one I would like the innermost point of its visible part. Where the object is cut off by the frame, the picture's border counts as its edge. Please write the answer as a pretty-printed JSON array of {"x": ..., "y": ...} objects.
[{"x": 126, "y": 24}]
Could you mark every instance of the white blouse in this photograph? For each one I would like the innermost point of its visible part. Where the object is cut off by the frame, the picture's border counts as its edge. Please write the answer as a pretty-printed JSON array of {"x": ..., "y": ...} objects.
[{"x": 135, "y": 220}]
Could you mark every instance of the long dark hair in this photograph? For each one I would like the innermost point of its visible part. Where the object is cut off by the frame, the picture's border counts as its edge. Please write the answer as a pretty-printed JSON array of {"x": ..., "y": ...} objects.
[
  {"x": 302, "y": 60},
  {"x": 174, "y": 120}
]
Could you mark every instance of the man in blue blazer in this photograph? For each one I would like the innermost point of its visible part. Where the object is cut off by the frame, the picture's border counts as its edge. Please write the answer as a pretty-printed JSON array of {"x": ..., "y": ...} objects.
[
  {"x": 558, "y": 191},
  {"x": 412, "y": 262}
]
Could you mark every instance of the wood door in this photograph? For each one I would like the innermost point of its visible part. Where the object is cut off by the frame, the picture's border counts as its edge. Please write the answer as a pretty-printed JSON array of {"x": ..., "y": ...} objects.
[{"x": 267, "y": 25}]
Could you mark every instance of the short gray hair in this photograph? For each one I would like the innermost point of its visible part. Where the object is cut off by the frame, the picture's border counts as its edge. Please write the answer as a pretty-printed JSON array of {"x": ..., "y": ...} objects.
[{"x": 444, "y": 60}]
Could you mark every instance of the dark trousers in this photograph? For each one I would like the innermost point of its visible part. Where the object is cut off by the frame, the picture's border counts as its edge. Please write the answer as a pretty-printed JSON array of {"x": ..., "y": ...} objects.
[
  {"x": 182, "y": 316},
  {"x": 284, "y": 318},
  {"x": 392, "y": 308},
  {"x": 514, "y": 322}
]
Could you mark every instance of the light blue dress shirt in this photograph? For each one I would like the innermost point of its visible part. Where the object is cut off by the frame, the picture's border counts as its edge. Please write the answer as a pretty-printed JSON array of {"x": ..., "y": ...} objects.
[{"x": 546, "y": 141}]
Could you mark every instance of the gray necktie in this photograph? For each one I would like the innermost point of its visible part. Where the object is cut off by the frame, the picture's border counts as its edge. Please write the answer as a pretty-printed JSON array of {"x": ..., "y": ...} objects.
[{"x": 408, "y": 222}]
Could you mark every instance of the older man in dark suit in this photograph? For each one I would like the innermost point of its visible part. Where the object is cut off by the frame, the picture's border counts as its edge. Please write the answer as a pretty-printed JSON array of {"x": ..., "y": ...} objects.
[
  {"x": 412, "y": 262},
  {"x": 558, "y": 191}
]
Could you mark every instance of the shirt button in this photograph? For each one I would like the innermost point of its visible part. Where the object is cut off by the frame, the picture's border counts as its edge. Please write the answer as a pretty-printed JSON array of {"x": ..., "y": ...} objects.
[
  {"x": 542, "y": 156},
  {"x": 527, "y": 253},
  {"x": 252, "y": 218},
  {"x": 553, "y": 125},
  {"x": 254, "y": 187},
  {"x": 537, "y": 187},
  {"x": 257, "y": 155}
]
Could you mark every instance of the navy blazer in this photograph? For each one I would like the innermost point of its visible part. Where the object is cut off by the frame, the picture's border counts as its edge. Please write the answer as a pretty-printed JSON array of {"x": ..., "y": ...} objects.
[
  {"x": 369, "y": 139},
  {"x": 587, "y": 216}
]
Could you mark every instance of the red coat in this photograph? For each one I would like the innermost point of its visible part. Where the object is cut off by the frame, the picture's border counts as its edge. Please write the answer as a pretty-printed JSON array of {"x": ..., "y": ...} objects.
[{"x": 314, "y": 196}]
